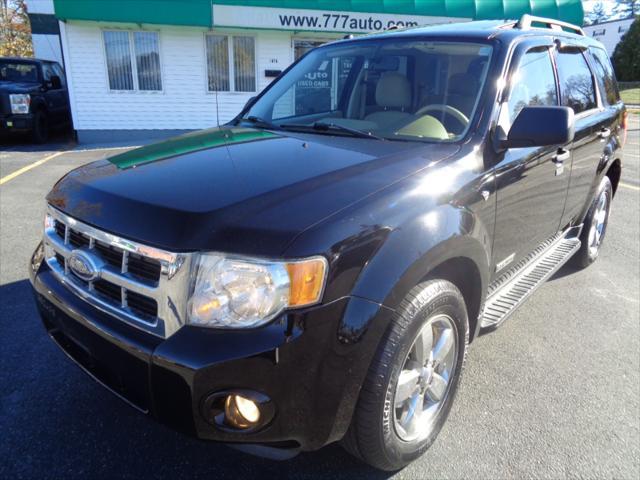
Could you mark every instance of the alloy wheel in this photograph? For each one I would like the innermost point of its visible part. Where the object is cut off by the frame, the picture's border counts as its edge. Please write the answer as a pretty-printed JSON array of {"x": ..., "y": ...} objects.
[
  {"x": 423, "y": 383},
  {"x": 599, "y": 224}
]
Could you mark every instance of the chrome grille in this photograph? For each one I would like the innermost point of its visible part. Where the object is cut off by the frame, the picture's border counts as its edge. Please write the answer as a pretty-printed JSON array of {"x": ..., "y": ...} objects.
[{"x": 141, "y": 285}]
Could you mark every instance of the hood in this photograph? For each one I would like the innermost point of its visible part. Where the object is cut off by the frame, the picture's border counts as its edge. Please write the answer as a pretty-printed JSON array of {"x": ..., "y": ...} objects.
[
  {"x": 239, "y": 190},
  {"x": 18, "y": 87}
]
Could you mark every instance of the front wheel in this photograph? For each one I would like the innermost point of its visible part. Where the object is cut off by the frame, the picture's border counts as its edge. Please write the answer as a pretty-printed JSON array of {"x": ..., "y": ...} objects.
[
  {"x": 595, "y": 225},
  {"x": 413, "y": 378},
  {"x": 40, "y": 132}
]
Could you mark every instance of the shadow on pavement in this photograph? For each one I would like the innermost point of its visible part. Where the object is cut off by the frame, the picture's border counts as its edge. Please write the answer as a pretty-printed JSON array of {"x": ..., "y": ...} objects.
[
  {"x": 566, "y": 270},
  {"x": 57, "y": 423},
  {"x": 23, "y": 143}
]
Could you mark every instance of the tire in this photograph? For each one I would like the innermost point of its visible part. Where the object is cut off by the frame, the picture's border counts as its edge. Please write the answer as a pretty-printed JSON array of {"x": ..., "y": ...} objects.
[
  {"x": 382, "y": 433},
  {"x": 40, "y": 132},
  {"x": 595, "y": 226}
]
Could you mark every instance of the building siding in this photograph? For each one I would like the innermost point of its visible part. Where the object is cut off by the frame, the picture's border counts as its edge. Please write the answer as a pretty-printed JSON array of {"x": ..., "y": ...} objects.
[
  {"x": 609, "y": 33},
  {"x": 184, "y": 102}
]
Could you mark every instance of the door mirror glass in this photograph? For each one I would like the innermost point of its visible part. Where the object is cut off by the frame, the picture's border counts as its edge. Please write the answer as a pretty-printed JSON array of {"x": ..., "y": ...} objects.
[{"x": 540, "y": 127}]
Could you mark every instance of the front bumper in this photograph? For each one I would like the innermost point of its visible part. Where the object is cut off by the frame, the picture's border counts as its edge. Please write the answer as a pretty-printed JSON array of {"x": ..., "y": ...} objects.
[
  {"x": 311, "y": 364},
  {"x": 16, "y": 123}
]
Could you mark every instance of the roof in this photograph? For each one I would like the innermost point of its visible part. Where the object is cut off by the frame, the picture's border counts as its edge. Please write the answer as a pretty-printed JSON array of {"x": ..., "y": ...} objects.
[
  {"x": 200, "y": 12},
  {"x": 26, "y": 59},
  {"x": 477, "y": 30}
]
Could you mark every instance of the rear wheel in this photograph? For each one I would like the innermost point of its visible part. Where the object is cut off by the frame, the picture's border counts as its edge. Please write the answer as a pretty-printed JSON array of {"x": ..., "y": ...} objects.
[
  {"x": 413, "y": 379},
  {"x": 595, "y": 225}
]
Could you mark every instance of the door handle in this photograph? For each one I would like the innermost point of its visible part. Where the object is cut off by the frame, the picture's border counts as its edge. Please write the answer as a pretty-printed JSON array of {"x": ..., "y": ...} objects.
[
  {"x": 604, "y": 133},
  {"x": 561, "y": 156}
]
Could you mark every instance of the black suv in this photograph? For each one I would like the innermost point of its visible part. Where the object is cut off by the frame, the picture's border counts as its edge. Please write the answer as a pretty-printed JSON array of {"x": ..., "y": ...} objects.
[
  {"x": 303, "y": 276},
  {"x": 33, "y": 97}
]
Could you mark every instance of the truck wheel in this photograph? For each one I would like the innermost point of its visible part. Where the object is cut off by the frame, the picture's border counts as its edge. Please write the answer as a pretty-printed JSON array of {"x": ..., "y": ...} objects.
[
  {"x": 595, "y": 225},
  {"x": 40, "y": 131},
  {"x": 412, "y": 381}
]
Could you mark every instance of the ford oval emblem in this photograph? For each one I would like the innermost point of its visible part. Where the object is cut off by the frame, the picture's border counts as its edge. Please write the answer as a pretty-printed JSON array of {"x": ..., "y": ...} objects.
[{"x": 83, "y": 266}]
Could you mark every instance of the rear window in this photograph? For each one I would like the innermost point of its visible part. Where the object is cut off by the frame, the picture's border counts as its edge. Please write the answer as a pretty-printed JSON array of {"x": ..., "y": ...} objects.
[
  {"x": 576, "y": 82},
  {"x": 606, "y": 78}
]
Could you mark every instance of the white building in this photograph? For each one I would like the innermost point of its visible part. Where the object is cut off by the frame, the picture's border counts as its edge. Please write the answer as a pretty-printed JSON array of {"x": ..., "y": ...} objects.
[
  {"x": 151, "y": 68},
  {"x": 609, "y": 33}
]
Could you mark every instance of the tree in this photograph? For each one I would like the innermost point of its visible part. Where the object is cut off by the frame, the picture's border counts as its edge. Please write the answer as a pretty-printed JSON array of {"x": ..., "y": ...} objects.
[
  {"x": 626, "y": 8},
  {"x": 598, "y": 14},
  {"x": 15, "y": 30},
  {"x": 626, "y": 57}
]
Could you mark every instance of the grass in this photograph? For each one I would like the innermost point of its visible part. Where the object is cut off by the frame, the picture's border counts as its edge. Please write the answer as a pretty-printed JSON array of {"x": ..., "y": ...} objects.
[{"x": 630, "y": 92}]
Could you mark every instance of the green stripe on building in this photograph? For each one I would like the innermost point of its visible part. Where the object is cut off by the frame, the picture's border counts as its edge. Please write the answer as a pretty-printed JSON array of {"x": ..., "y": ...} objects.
[{"x": 199, "y": 12}]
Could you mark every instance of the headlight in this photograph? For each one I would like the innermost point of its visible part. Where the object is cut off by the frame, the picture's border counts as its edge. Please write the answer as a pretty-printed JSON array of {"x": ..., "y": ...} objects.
[
  {"x": 235, "y": 292},
  {"x": 20, "y": 102}
]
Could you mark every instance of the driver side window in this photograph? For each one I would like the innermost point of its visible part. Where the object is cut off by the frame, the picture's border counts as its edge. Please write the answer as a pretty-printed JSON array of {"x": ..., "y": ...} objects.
[{"x": 533, "y": 84}]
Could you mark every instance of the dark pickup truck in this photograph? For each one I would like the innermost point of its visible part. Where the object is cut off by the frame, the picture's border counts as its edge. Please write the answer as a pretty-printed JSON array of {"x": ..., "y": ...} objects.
[
  {"x": 302, "y": 276},
  {"x": 33, "y": 97}
]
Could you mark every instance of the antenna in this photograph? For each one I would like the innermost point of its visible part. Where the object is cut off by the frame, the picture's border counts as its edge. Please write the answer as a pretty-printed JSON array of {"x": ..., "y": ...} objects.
[{"x": 215, "y": 90}]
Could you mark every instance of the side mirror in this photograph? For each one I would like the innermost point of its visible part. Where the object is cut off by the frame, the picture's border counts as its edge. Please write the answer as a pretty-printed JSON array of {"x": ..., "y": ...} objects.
[
  {"x": 55, "y": 83},
  {"x": 541, "y": 127}
]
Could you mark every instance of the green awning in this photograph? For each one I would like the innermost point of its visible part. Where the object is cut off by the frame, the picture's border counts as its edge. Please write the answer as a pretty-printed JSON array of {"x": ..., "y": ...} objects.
[
  {"x": 161, "y": 12},
  {"x": 200, "y": 12}
]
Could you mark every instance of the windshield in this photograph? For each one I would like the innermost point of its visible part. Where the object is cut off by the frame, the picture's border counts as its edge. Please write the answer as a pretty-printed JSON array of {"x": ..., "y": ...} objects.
[
  {"x": 18, "y": 72},
  {"x": 387, "y": 89}
]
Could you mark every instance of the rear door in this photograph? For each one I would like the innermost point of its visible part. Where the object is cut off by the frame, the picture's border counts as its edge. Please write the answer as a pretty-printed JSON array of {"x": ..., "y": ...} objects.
[
  {"x": 531, "y": 182},
  {"x": 587, "y": 85}
]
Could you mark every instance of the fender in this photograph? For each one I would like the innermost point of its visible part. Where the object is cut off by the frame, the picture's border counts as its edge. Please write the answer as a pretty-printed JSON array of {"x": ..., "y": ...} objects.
[
  {"x": 38, "y": 103},
  {"x": 407, "y": 255},
  {"x": 418, "y": 248},
  {"x": 386, "y": 247}
]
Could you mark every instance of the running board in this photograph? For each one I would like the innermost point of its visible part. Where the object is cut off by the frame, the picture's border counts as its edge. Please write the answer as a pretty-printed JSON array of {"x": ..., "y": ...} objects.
[{"x": 503, "y": 301}]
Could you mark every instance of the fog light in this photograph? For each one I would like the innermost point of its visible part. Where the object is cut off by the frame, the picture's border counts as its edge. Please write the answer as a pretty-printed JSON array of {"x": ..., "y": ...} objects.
[{"x": 241, "y": 412}]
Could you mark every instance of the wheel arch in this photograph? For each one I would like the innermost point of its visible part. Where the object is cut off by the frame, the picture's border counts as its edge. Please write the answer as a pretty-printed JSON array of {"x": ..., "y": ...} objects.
[
  {"x": 402, "y": 263},
  {"x": 39, "y": 104},
  {"x": 614, "y": 172},
  {"x": 465, "y": 274}
]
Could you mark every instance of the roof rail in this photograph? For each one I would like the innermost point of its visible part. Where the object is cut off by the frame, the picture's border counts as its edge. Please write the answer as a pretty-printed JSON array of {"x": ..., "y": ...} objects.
[{"x": 526, "y": 20}]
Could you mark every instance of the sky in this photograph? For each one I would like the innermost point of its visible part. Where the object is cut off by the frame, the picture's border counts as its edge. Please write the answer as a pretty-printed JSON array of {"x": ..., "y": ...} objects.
[{"x": 589, "y": 4}]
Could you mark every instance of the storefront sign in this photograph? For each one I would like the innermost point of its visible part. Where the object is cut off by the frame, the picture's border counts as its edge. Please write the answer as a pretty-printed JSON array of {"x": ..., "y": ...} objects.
[{"x": 317, "y": 20}]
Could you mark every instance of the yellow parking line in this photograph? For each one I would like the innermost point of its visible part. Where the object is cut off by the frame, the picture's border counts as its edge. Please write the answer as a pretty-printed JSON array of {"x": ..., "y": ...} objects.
[
  {"x": 13, "y": 175},
  {"x": 632, "y": 187}
]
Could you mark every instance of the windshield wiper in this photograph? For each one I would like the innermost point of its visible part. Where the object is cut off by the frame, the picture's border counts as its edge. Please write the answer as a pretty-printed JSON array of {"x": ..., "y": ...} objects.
[
  {"x": 341, "y": 128},
  {"x": 258, "y": 121},
  {"x": 325, "y": 127}
]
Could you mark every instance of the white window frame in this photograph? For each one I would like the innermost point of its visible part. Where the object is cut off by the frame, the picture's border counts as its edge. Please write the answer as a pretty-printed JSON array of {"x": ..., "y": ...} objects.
[
  {"x": 134, "y": 63},
  {"x": 231, "y": 53}
]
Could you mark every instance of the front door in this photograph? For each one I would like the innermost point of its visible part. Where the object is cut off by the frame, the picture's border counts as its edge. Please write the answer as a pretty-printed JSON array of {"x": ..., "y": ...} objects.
[
  {"x": 531, "y": 183},
  {"x": 56, "y": 98}
]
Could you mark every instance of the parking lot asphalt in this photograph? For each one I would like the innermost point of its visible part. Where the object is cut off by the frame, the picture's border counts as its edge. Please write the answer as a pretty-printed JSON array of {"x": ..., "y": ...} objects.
[{"x": 553, "y": 393}]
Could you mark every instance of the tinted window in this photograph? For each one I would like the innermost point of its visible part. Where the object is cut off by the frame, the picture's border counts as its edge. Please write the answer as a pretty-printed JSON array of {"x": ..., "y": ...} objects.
[
  {"x": 606, "y": 77},
  {"x": 18, "y": 72},
  {"x": 576, "y": 83},
  {"x": 533, "y": 84},
  {"x": 57, "y": 69}
]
